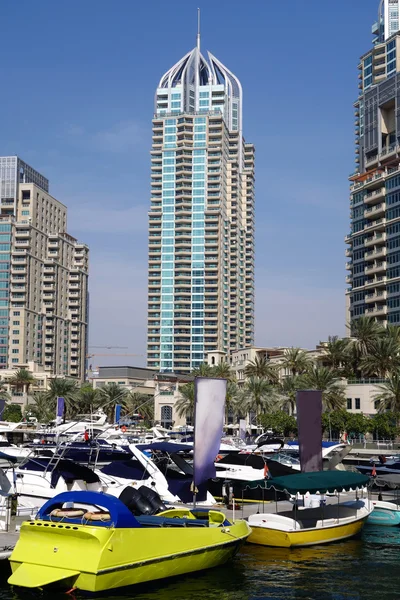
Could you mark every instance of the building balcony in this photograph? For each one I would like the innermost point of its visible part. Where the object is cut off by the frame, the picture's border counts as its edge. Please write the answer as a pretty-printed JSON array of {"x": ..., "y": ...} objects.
[
  {"x": 348, "y": 252},
  {"x": 375, "y": 195},
  {"x": 389, "y": 152},
  {"x": 376, "y": 296},
  {"x": 370, "y": 182},
  {"x": 377, "y": 210},
  {"x": 376, "y": 239},
  {"x": 378, "y": 225},
  {"x": 377, "y": 267},
  {"x": 349, "y": 265},
  {"x": 380, "y": 310}
]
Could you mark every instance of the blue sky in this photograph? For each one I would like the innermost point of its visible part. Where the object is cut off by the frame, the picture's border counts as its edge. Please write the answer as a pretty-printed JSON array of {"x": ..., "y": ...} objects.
[{"x": 78, "y": 82}]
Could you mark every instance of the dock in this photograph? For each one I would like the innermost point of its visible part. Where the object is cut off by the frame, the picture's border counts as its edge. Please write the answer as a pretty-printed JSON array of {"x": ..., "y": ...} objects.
[{"x": 8, "y": 539}]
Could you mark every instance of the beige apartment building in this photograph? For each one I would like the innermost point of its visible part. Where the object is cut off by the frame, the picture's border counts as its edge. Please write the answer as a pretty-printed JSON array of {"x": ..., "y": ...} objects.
[
  {"x": 43, "y": 277},
  {"x": 201, "y": 219}
]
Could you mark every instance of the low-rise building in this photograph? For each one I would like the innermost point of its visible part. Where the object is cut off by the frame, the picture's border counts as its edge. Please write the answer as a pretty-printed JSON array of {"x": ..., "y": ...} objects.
[
  {"x": 360, "y": 393},
  {"x": 163, "y": 387},
  {"x": 23, "y": 396}
]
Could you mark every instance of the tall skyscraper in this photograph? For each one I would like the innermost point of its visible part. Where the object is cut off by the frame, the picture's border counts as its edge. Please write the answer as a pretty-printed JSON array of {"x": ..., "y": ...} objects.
[
  {"x": 374, "y": 240},
  {"x": 43, "y": 276},
  {"x": 201, "y": 220}
]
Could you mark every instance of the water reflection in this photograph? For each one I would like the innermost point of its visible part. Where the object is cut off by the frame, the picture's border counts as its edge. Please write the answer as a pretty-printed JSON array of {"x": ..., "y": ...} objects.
[{"x": 360, "y": 569}]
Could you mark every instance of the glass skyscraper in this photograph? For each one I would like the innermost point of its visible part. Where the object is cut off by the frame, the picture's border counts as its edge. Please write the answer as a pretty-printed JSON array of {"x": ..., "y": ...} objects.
[
  {"x": 201, "y": 220},
  {"x": 374, "y": 239}
]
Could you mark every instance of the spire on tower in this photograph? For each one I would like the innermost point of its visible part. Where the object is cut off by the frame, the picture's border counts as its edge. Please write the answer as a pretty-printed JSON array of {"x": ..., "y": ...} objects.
[{"x": 198, "y": 29}]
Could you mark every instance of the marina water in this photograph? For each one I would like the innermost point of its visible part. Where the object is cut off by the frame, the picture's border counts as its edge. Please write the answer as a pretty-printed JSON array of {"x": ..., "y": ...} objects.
[{"x": 358, "y": 569}]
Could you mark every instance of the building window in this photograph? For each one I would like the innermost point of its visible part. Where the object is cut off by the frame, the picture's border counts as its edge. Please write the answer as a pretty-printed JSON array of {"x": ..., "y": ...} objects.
[
  {"x": 14, "y": 360},
  {"x": 15, "y": 351},
  {"x": 166, "y": 416},
  {"x": 15, "y": 331},
  {"x": 349, "y": 404},
  {"x": 376, "y": 404},
  {"x": 15, "y": 322},
  {"x": 26, "y": 195},
  {"x": 16, "y": 313},
  {"x": 358, "y": 404}
]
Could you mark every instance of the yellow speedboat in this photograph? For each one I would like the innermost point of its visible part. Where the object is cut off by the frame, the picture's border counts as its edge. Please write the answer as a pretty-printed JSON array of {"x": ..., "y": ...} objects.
[
  {"x": 91, "y": 541},
  {"x": 316, "y": 525}
]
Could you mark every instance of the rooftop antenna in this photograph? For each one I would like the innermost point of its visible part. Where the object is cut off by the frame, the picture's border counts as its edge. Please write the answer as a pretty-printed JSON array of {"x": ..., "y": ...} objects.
[{"x": 198, "y": 29}]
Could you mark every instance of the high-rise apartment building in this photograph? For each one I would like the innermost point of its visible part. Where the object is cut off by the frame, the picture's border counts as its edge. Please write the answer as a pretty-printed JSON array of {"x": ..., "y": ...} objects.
[
  {"x": 201, "y": 220},
  {"x": 374, "y": 240},
  {"x": 43, "y": 277}
]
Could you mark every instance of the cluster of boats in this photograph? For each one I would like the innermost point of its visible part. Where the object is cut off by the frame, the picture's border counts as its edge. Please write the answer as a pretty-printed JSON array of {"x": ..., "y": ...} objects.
[{"x": 110, "y": 509}]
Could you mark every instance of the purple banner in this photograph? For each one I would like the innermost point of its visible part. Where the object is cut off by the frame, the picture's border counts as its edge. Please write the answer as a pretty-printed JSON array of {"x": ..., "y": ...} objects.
[
  {"x": 60, "y": 410},
  {"x": 309, "y": 411},
  {"x": 209, "y": 415}
]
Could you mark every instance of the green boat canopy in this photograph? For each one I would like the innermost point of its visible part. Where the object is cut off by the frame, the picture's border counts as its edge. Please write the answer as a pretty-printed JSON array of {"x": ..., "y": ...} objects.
[{"x": 320, "y": 481}]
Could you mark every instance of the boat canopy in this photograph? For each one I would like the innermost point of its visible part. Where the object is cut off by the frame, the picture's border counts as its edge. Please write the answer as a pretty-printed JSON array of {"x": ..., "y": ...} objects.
[
  {"x": 390, "y": 480},
  {"x": 318, "y": 481}
]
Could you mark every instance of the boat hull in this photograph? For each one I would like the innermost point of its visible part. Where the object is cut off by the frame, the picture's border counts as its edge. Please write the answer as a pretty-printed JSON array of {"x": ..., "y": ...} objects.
[
  {"x": 384, "y": 513},
  {"x": 304, "y": 537},
  {"x": 96, "y": 559}
]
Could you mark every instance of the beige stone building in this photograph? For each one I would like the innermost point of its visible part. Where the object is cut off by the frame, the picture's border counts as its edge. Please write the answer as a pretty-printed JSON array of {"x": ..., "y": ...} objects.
[
  {"x": 360, "y": 394},
  {"x": 162, "y": 388},
  {"x": 43, "y": 277}
]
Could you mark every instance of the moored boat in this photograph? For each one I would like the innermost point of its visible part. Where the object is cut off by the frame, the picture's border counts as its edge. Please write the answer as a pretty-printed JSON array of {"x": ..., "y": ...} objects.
[
  {"x": 91, "y": 541},
  {"x": 318, "y": 525}
]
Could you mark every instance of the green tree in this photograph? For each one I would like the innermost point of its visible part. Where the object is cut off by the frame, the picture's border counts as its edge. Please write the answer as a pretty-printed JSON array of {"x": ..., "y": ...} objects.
[
  {"x": 262, "y": 368},
  {"x": 383, "y": 357},
  {"x": 322, "y": 378},
  {"x": 296, "y": 361},
  {"x": 232, "y": 406},
  {"x": 334, "y": 423},
  {"x": 203, "y": 370},
  {"x": 257, "y": 395},
  {"x": 222, "y": 371},
  {"x": 336, "y": 352},
  {"x": 108, "y": 396},
  {"x": 357, "y": 424},
  {"x": 142, "y": 404},
  {"x": 388, "y": 398},
  {"x": 12, "y": 413},
  {"x": 287, "y": 391},
  {"x": 184, "y": 406},
  {"x": 365, "y": 331},
  {"x": 42, "y": 408},
  {"x": 60, "y": 387},
  {"x": 384, "y": 426},
  {"x": 280, "y": 422},
  {"x": 87, "y": 401},
  {"x": 22, "y": 380}
]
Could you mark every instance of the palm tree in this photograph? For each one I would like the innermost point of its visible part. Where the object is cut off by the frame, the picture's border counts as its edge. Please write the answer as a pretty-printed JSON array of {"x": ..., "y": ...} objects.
[
  {"x": 62, "y": 388},
  {"x": 336, "y": 354},
  {"x": 22, "y": 380},
  {"x": 296, "y": 361},
  {"x": 262, "y": 368},
  {"x": 322, "y": 378},
  {"x": 222, "y": 371},
  {"x": 142, "y": 404},
  {"x": 287, "y": 391},
  {"x": 231, "y": 400},
  {"x": 87, "y": 400},
  {"x": 257, "y": 395},
  {"x": 388, "y": 399},
  {"x": 203, "y": 370},
  {"x": 383, "y": 357},
  {"x": 109, "y": 396},
  {"x": 41, "y": 408},
  {"x": 364, "y": 331},
  {"x": 392, "y": 332},
  {"x": 184, "y": 406}
]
